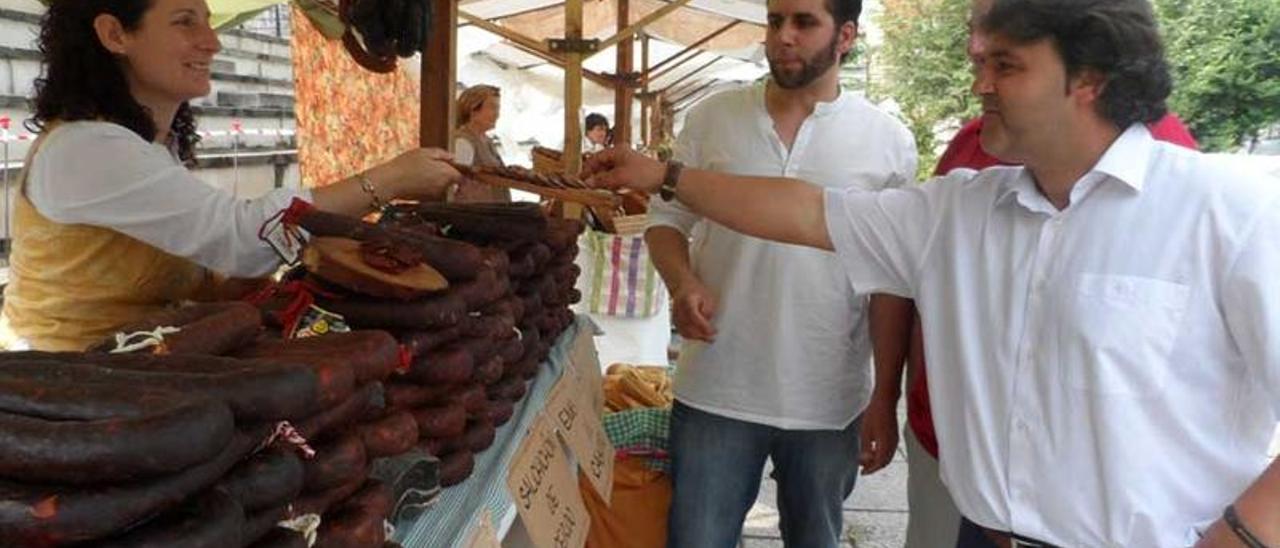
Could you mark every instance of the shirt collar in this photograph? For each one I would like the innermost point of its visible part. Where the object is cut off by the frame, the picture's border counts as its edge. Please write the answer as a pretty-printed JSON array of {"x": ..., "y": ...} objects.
[
  {"x": 1019, "y": 185},
  {"x": 1126, "y": 161},
  {"x": 1128, "y": 157},
  {"x": 821, "y": 109}
]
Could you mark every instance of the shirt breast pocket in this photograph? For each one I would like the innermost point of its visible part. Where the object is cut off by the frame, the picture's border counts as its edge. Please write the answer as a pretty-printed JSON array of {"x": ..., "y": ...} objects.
[{"x": 1119, "y": 332}]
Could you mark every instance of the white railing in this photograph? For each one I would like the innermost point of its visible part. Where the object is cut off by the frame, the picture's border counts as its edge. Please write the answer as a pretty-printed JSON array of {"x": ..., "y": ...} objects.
[{"x": 9, "y": 166}]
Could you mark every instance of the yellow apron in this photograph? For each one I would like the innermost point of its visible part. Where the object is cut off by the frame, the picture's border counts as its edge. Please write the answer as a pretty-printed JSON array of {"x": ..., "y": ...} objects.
[{"x": 72, "y": 285}]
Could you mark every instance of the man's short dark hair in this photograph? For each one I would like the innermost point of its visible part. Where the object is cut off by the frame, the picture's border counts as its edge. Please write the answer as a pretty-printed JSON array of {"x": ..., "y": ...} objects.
[
  {"x": 1117, "y": 38},
  {"x": 844, "y": 11}
]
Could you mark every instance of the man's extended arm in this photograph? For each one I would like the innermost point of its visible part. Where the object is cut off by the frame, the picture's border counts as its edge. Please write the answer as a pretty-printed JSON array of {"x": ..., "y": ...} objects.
[{"x": 783, "y": 210}]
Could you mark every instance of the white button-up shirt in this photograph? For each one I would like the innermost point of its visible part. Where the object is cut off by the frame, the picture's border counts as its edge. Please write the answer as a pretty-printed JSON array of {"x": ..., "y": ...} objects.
[
  {"x": 1104, "y": 375},
  {"x": 792, "y": 349},
  {"x": 104, "y": 174}
]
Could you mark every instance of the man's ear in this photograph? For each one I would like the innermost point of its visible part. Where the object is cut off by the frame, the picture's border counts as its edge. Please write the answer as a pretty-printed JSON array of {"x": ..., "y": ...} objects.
[
  {"x": 1087, "y": 86},
  {"x": 110, "y": 33},
  {"x": 848, "y": 36}
]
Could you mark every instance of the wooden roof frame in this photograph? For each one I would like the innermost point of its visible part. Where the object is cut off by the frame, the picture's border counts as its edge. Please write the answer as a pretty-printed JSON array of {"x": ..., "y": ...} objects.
[{"x": 439, "y": 69}]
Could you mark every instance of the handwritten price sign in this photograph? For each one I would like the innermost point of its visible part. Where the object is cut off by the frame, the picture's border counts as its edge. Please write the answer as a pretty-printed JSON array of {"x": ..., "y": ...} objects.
[
  {"x": 584, "y": 361},
  {"x": 546, "y": 491},
  {"x": 569, "y": 409}
]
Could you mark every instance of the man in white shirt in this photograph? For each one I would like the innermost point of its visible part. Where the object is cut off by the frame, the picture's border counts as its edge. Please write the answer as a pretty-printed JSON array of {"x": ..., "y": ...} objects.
[
  {"x": 1104, "y": 323},
  {"x": 775, "y": 363}
]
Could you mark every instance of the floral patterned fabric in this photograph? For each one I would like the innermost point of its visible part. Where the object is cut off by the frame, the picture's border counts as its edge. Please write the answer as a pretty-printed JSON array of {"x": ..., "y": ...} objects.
[{"x": 349, "y": 119}]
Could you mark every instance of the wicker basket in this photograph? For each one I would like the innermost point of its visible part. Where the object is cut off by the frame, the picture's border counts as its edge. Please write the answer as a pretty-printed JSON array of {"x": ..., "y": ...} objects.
[
  {"x": 630, "y": 224},
  {"x": 546, "y": 160}
]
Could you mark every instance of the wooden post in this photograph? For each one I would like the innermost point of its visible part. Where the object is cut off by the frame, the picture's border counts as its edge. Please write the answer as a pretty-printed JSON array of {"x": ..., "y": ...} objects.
[
  {"x": 644, "y": 102},
  {"x": 623, "y": 94},
  {"x": 572, "y": 89},
  {"x": 573, "y": 99},
  {"x": 439, "y": 77}
]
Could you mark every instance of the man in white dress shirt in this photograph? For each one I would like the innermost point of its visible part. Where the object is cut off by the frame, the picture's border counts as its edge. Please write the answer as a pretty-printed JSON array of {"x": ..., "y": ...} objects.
[
  {"x": 1104, "y": 322},
  {"x": 776, "y": 358}
]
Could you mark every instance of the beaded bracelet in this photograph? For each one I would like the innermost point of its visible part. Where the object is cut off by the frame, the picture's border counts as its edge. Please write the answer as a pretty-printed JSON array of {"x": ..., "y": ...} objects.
[{"x": 366, "y": 184}]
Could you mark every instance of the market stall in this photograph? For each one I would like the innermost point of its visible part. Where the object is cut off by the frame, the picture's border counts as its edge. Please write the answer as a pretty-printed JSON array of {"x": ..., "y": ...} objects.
[
  {"x": 422, "y": 370},
  {"x": 390, "y": 363}
]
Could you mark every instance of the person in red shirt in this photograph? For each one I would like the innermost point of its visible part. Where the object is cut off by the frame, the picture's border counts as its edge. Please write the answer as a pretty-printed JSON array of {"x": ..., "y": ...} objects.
[
  {"x": 933, "y": 519},
  {"x": 965, "y": 149}
]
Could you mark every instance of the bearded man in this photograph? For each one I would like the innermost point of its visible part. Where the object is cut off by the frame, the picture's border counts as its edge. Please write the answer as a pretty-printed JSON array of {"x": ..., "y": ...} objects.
[{"x": 776, "y": 359}]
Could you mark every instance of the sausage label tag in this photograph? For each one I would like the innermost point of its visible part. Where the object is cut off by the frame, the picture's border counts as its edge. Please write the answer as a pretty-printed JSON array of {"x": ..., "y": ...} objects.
[
  {"x": 584, "y": 360},
  {"x": 569, "y": 410},
  {"x": 484, "y": 535},
  {"x": 545, "y": 490}
]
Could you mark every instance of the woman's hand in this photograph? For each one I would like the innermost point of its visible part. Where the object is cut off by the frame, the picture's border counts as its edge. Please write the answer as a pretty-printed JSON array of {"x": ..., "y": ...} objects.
[{"x": 419, "y": 174}]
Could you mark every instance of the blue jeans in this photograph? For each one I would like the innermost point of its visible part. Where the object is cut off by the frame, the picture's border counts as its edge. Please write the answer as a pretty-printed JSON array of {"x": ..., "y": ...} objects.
[{"x": 716, "y": 465}]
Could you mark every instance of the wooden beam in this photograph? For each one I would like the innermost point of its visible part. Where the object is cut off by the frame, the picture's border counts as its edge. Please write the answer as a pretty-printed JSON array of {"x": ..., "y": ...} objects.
[
  {"x": 644, "y": 101},
  {"x": 693, "y": 92},
  {"x": 558, "y": 61},
  {"x": 692, "y": 73},
  {"x": 572, "y": 91},
  {"x": 689, "y": 48},
  {"x": 623, "y": 94},
  {"x": 642, "y": 23},
  {"x": 439, "y": 64},
  {"x": 680, "y": 107},
  {"x": 675, "y": 90},
  {"x": 678, "y": 64},
  {"x": 515, "y": 37},
  {"x": 693, "y": 99}
]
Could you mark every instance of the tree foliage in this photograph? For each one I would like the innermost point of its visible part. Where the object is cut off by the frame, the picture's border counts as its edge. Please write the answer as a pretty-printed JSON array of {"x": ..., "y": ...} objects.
[
  {"x": 1224, "y": 55},
  {"x": 922, "y": 65}
]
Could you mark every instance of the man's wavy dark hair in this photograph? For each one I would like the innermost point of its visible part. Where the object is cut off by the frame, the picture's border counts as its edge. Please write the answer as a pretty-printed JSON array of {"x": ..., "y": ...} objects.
[
  {"x": 84, "y": 81},
  {"x": 1117, "y": 38}
]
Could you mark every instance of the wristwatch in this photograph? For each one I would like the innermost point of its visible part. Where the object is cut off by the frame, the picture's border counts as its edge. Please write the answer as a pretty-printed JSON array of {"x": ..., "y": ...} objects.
[{"x": 669, "y": 180}]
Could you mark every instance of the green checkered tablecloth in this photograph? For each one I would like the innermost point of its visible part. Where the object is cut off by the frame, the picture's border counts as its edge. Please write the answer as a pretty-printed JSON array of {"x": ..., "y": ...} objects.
[{"x": 643, "y": 430}]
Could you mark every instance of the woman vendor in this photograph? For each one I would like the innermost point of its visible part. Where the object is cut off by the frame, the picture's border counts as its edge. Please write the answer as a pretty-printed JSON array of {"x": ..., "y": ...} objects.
[
  {"x": 110, "y": 226},
  {"x": 478, "y": 110}
]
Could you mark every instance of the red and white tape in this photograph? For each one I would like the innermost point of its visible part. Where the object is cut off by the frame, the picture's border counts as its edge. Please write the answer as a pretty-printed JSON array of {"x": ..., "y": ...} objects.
[{"x": 236, "y": 129}]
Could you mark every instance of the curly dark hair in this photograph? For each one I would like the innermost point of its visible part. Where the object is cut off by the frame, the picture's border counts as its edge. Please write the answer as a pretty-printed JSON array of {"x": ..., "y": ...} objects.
[
  {"x": 1117, "y": 38},
  {"x": 84, "y": 81}
]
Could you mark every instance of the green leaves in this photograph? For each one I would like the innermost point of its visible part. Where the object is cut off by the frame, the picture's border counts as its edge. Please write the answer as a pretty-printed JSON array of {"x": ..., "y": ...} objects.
[
  {"x": 924, "y": 68},
  {"x": 1224, "y": 55},
  {"x": 1225, "y": 58}
]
